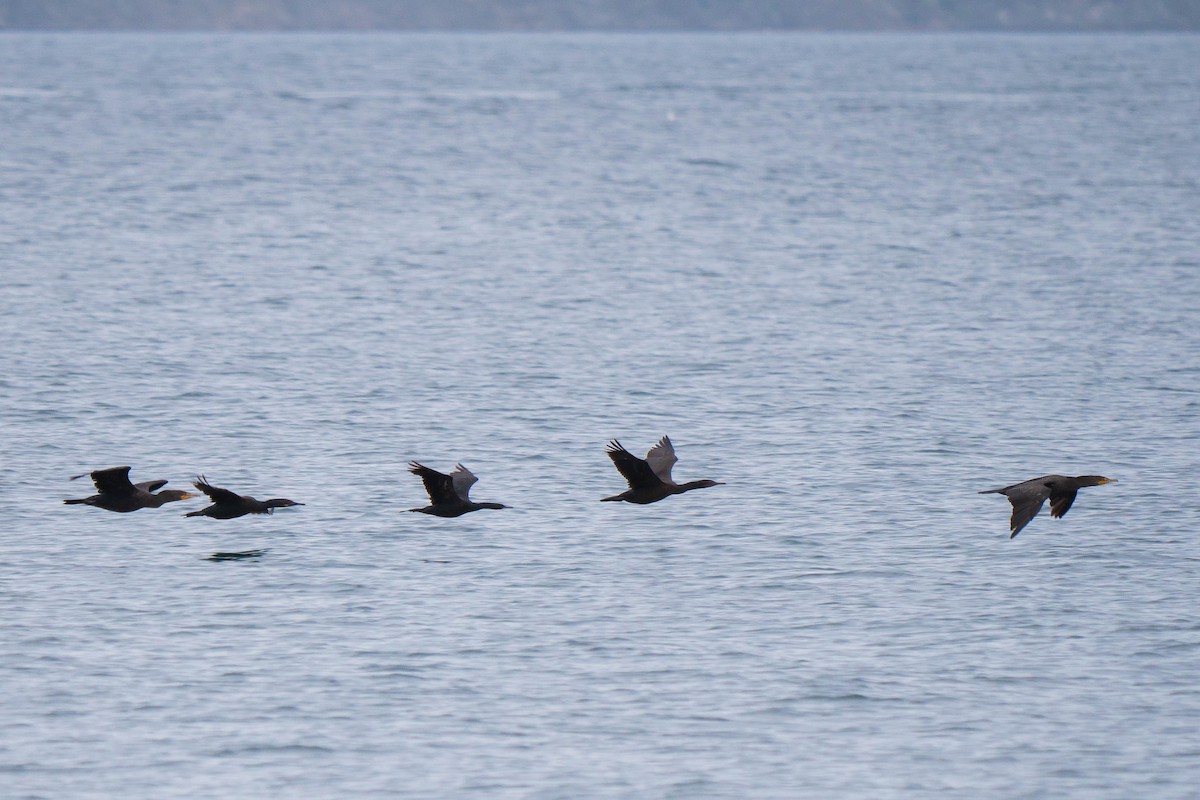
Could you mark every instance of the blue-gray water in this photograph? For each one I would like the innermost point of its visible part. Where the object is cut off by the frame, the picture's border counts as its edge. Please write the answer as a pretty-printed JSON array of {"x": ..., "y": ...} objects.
[{"x": 856, "y": 278}]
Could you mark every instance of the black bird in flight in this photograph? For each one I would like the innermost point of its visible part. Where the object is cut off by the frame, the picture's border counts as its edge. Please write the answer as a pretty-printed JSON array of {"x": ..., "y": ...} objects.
[
  {"x": 229, "y": 505},
  {"x": 649, "y": 478},
  {"x": 116, "y": 493},
  {"x": 1027, "y": 497},
  {"x": 449, "y": 495}
]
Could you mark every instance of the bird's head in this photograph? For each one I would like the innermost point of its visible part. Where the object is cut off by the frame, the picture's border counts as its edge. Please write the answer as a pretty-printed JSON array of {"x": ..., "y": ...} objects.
[
  {"x": 171, "y": 495},
  {"x": 1096, "y": 480},
  {"x": 279, "y": 502}
]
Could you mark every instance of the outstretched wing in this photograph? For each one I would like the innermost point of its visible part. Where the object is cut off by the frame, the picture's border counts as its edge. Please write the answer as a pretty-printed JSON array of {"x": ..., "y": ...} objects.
[
  {"x": 661, "y": 458},
  {"x": 439, "y": 486},
  {"x": 114, "y": 480},
  {"x": 150, "y": 486},
  {"x": 1024, "y": 510},
  {"x": 1060, "y": 502},
  {"x": 463, "y": 479},
  {"x": 636, "y": 471},
  {"x": 1026, "y": 502},
  {"x": 215, "y": 493}
]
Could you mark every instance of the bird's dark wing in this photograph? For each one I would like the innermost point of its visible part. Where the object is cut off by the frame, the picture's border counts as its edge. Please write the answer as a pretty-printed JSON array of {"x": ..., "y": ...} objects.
[
  {"x": 636, "y": 471},
  {"x": 150, "y": 486},
  {"x": 215, "y": 493},
  {"x": 114, "y": 480},
  {"x": 440, "y": 487},
  {"x": 1060, "y": 501},
  {"x": 1026, "y": 506}
]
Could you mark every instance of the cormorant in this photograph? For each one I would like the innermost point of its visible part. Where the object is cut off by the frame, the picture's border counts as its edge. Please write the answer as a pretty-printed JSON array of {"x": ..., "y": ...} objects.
[
  {"x": 116, "y": 493},
  {"x": 650, "y": 479},
  {"x": 1027, "y": 497},
  {"x": 448, "y": 494},
  {"x": 228, "y": 505}
]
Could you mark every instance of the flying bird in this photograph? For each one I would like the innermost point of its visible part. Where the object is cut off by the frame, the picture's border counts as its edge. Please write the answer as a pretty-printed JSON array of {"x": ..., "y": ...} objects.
[
  {"x": 449, "y": 495},
  {"x": 1027, "y": 497},
  {"x": 116, "y": 493},
  {"x": 229, "y": 505},
  {"x": 650, "y": 478}
]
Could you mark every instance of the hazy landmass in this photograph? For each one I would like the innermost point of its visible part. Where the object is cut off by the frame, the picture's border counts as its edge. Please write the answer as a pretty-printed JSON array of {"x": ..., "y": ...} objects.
[{"x": 512, "y": 15}]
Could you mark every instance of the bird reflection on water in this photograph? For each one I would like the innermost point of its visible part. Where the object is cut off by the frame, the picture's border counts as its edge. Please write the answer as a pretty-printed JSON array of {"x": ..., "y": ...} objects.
[{"x": 240, "y": 555}]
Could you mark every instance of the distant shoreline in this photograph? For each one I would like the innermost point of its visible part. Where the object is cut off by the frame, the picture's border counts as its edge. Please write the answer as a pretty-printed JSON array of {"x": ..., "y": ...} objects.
[
  {"x": 614, "y": 31},
  {"x": 601, "y": 16}
]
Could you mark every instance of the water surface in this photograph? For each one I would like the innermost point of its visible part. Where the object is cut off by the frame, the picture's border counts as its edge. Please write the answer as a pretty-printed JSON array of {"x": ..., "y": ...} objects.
[{"x": 856, "y": 278}]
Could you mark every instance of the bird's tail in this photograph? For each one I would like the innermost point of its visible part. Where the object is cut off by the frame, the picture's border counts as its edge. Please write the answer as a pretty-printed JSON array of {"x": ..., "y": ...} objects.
[
  {"x": 991, "y": 491},
  {"x": 195, "y": 513},
  {"x": 75, "y": 502},
  {"x": 614, "y": 499}
]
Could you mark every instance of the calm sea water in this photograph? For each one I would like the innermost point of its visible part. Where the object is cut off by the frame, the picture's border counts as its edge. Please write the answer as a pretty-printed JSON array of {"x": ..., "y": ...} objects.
[{"x": 856, "y": 278}]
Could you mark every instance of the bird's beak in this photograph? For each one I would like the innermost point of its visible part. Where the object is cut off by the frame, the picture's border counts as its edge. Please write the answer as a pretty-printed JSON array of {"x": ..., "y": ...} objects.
[
  {"x": 189, "y": 495},
  {"x": 1110, "y": 480}
]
